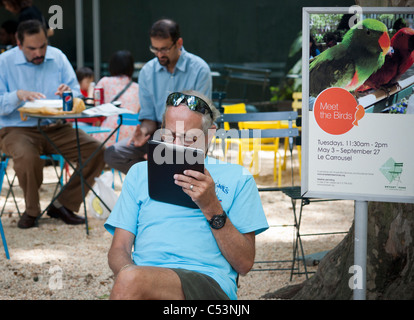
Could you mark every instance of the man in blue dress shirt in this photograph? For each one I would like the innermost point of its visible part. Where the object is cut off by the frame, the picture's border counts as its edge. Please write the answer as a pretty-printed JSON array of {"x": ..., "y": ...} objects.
[
  {"x": 172, "y": 69},
  {"x": 31, "y": 71}
]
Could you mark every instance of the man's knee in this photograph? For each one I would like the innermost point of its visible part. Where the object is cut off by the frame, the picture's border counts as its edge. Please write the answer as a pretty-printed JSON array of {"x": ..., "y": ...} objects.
[
  {"x": 147, "y": 283},
  {"x": 109, "y": 155},
  {"x": 116, "y": 160},
  {"x": 131, "y": 284}
]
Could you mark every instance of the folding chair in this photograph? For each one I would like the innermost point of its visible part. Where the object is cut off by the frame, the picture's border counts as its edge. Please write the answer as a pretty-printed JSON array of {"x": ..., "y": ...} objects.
[
  {"x": 58, "y": 158},
  {"x": 59, "y": 174},
  {"x": 3, "y": 166},
  {"x": 92, "y": 129},
  {"x": 296, "y": 106},
  {"x": 128, "y": 119}
]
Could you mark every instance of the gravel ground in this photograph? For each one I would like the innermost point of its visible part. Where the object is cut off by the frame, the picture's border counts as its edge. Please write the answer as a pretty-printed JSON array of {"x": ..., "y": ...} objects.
[{"x": 60, "y": 262}]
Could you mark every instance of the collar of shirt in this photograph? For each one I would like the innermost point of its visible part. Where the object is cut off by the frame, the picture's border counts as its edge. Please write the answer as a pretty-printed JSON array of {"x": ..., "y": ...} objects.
[
  {"x": 181, "y": 65},
  {"x": 21, "y": 59}
]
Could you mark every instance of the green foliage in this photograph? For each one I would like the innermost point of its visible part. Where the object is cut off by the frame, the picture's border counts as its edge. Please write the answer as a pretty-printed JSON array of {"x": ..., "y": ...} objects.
[
  {"x": 319, "y": 22},
  {"x": 293, "y": 80}
]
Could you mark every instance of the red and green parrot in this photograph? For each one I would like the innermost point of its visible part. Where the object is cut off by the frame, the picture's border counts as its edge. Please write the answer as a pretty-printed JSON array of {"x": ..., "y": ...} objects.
[
  {"x": 348, "y": 64},
  {"x": 396, "y": 63}
]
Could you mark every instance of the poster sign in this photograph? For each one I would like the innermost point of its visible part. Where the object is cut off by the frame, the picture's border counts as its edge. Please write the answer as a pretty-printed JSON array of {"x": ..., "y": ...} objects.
[{"x": 358, "y": 104}]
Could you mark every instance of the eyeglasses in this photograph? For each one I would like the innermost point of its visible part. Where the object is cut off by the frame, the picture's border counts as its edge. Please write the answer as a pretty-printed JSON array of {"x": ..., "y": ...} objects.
[
  {"x": 193, "y": 103},
  {"x": 187, "y": 139},
  {"x": 162, "y": 50}
]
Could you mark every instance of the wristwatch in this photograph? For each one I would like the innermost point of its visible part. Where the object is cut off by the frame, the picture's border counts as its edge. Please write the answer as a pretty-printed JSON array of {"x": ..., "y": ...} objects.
[{"x": 218, "y": 221}]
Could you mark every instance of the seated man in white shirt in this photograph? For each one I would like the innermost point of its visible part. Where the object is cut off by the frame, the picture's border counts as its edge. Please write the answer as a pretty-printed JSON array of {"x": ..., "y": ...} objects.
[{"x": 35, "y": 70}]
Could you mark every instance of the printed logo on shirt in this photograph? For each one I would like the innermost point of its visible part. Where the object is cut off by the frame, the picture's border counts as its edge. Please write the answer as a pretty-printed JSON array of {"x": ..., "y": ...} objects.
[{"x": 221, "y": 188}]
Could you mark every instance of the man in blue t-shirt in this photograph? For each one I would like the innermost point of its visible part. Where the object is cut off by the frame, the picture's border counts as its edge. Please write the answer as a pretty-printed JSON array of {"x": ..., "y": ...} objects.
[
  {"x": 180, "y": 252},
  {"x": 172, "y": 69}
]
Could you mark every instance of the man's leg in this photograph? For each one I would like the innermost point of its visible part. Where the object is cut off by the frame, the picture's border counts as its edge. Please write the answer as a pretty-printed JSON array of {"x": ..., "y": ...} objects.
[
  {"x": 122, "y": 156},
  {"x": 23, "y": 145},
  {"x": 147, "y": 283},
  {"x": 64, "y": 137}
]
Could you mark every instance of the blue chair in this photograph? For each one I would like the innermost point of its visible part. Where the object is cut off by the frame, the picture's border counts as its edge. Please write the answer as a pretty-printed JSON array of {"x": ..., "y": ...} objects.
[
  {"x": 92, "y": 129},
  {"x": 4, "y": 162},
  {"x": 3, "y": 166},
  {"x": 60, "y": 159},
  {"x": 128, "y": 119}
]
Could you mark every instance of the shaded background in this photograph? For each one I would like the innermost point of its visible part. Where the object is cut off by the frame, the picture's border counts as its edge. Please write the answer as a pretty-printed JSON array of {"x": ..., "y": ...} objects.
[{"x": 232, "y": 31}]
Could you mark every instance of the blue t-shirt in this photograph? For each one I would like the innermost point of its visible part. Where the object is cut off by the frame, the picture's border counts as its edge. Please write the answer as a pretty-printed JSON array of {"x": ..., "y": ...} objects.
[{"x": 172, "y": 236}]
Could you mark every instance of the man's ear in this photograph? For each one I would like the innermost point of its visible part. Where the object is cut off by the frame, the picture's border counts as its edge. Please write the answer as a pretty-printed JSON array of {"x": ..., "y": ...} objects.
[
  {"x": 180, "y": 42},
  {"x": 19, "y": 44},
  {"x": 211, "y": 132}
]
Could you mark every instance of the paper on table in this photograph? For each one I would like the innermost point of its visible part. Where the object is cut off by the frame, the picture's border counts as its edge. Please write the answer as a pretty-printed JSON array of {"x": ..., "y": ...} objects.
[
  {"x": 107, "y": 109},
  {"x": 57, "y": 103}
]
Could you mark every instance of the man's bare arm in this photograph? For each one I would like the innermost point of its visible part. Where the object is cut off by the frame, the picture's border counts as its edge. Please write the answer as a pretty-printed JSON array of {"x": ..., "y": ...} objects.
[{"x": 119, "y": 254}]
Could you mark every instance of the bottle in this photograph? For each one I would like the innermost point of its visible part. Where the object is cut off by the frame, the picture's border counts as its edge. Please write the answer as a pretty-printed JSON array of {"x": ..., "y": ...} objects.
[{"x": 91, "y": 90}]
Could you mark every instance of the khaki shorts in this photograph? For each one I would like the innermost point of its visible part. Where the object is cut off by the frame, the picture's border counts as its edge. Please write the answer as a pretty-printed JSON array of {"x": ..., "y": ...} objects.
[{"x": 198, "y": 286}]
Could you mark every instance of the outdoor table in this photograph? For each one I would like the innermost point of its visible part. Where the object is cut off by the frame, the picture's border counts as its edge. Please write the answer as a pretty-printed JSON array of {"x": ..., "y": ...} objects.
[{"x": 78, "y": 171}]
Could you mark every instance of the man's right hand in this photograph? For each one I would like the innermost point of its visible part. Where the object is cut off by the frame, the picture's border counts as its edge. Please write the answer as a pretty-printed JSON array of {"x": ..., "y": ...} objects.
[
  {"x": 139, "y": 137},
  {"x": 24, "y": 95}
]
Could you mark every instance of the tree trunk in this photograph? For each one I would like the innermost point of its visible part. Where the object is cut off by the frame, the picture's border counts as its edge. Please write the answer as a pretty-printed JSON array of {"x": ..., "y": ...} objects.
[{"x": 390, "y": 260}]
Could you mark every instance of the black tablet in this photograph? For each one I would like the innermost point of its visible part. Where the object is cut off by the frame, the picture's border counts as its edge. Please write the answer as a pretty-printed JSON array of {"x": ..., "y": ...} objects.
[{"x": 165, "y": 160}]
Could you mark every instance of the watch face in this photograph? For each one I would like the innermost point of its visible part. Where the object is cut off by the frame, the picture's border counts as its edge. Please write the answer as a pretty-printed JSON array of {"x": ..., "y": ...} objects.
[{"x": 218, "y": 222}]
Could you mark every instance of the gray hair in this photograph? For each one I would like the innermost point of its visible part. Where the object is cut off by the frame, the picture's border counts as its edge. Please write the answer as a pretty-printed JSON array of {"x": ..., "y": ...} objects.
[{"x": 207, "y": 121}]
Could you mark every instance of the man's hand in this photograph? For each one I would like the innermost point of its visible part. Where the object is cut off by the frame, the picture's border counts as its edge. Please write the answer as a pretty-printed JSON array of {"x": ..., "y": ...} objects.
[
  {"x": 24, "y": 95},
  {"x": 237, "y": 248},
  {"x": 139, "y": 137},
  {"x": 62, "y": 88},
  {"x": 202, "y": 190}
]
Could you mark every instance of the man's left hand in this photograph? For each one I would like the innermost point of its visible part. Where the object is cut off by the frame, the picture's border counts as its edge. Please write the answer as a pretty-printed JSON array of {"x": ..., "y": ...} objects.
[{"x": 202, "y": 190}]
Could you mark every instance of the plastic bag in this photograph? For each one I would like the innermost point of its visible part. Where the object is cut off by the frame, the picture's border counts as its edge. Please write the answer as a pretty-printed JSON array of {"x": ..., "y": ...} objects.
[{"x": 103, "y": 188}]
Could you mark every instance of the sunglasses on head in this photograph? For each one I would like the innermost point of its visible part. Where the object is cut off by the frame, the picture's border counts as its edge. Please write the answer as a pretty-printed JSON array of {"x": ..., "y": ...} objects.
[{"x": 193, "y": 103}]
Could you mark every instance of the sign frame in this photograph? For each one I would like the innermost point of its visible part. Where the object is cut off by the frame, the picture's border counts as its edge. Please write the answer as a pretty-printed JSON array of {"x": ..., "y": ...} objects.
[{"x": 307, "y": 186}]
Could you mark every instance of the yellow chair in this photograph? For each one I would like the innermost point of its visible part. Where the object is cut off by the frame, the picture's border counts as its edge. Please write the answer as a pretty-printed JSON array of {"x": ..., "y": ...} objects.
[
  {"x": 245, "y": 145},
  {"x": 296, "y": 105},
  {"x": 232, "y": 108},
  {"x": 262, "y": 144},
  {"x": 297, "y": 101}
]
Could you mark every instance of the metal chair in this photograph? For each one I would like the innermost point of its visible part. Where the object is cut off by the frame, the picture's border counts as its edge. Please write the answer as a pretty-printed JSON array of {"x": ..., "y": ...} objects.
[
  {"x": 3, "y": 173},
  {"x": 296, "y": 106},
  {"x": 3, "y": 166},
  {"x": 128, "y": 119},
  {"x": 92, "y": 129}
]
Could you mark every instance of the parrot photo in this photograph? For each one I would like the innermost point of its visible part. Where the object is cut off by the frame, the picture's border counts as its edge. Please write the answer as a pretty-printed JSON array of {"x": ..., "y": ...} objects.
[
  {"x": 350, "y": 63},
  {"x": 396, "y": 63}
]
